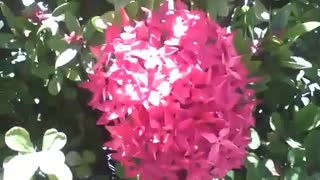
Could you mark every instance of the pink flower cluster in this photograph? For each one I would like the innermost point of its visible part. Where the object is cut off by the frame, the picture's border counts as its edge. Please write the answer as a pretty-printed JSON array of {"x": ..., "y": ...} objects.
[{"x": 172, "y": 92}]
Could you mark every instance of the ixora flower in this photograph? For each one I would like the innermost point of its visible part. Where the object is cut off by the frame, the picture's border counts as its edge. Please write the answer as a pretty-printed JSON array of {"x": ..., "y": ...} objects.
[{"x": 172, "y": 92}]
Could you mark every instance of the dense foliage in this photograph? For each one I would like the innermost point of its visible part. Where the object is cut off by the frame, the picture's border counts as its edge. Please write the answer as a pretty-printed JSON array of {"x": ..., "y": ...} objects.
[{"x": 45, "y": 56}]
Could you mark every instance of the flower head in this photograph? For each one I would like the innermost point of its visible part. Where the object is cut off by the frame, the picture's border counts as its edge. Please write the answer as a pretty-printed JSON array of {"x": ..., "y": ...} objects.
[{"x": 174, "y": 90}]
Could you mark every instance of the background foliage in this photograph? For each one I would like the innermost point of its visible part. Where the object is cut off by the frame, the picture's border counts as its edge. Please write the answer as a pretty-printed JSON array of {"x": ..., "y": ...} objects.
[{"x": 43, "y": 62}]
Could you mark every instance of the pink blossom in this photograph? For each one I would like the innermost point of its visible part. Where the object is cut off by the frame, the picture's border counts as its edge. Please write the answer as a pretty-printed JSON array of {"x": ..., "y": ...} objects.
[
  {"x": 73, "y": 38},
  {"x": 174, "y": 88}
]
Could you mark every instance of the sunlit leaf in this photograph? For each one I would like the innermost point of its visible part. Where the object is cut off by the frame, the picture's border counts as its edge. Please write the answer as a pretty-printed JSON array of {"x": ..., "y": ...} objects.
[
  {"x": 53, "y": 140},
  {"x": 70, "y": 7},
  {"x": 297, "y": 63},
  {"x": 18, "y": 139},
  {"x": 50, "y": 24},
  {"x": 55, "y": 84},
  {"x": 66, "y": 56},
  {"x": 261, "y": 11},
  {"x": 300, "y": 29},
  {"x": 255, "y": 140}
]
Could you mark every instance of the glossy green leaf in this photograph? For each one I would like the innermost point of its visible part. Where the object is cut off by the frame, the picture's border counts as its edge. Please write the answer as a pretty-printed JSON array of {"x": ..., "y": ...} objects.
[
  {"x": 261, "y": 11},
  {"x": 55, "y": 84},
  {"x": 307, "y": 118},
  {"x": 312, "y": 150},
  {"x": 255, "y": 140},
  {"x": 66, "y": 56},
  {"x": 53, "y": 140},
  {"x": 18, "y": 139},
  {"x": 297, "y": 63},
  {"x": 27, "y": 2},
  {"x": 99, "y": 24},
  {"x": 119, "y": 3},
  {"x": 49, "y": 24},
  {"x": 73, "y": 74},
  {"x": 42, "y": 70},
  {"x": 217, "y": 8},
  {"x": 296, "y": 157},
  {"x": 280, "y": 17},
  {"x": 57, "y": 44},
  {"x": 72, "y": 23},
  {"x": 111, "y": 17},
  {"x": 8, "y": 14},
  {"x": 70, "y": 7},
  {"x": 300, "y": 29},
  {"x": 132, "y": 9},
  {"x": 296, "y": 173},
  {"x": 7, "y": 41},
  {"x": 89, "y": 30}
]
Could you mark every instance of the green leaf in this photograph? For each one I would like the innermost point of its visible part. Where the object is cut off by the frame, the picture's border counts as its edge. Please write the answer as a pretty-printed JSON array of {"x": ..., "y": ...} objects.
[
  {"x": 277, "y": 123},
  {"x": 119, "y": 3},
  {"x": 89, "y": 156},
  {"x": 72, "y": 23},
  {"x": 42, "y": 70},
  {"x": 297, "y": 63},
  {"x": 69, "y": 93},
  {"x": 89, "y": 30},
  {"x": 70, "y": 7},
  {"x": 132, "y": 9},
  {"x": 280, "y": 17},
  {"x": 296, "y": 173},
  {"x": 27, "y": 2},
  {"x": 120, "y": 170},
  {"x": 99, "y": 24},
  {"x": 55, "y": 84},
  {"x": 83, "y": 171},
  {"x": 53, "y": 140},
  {"x": 73, "y": 158},
  {"x": 312, "y": 149},
  {"x": 296, "y": 157},
  {"x": 150, "y": 4},
  {"x": 269, "y": 164},
  {"x": 7, "y": 41},
  {"x": 2, "y": 141},
  {"x": 20, "y": 167},
  {"x": 56, "y": 44},
  {"x": 8, "y": 14},
  {"x": 252, "y": 163},
  {"x": 49, "y": 24},
  {"x": 73, "y": 74},
  {"x": 66, "y": 56},
  {"x": 295, "y": 32},
  {"x": 18, "y": 139},
  {"x": 261, "y": 11},
  {"x": 315, "y": 176},
  {"x": 307, "y": 118},
  {"x": 217, "y": 8},
  {"x": 255, "y": 140}
]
